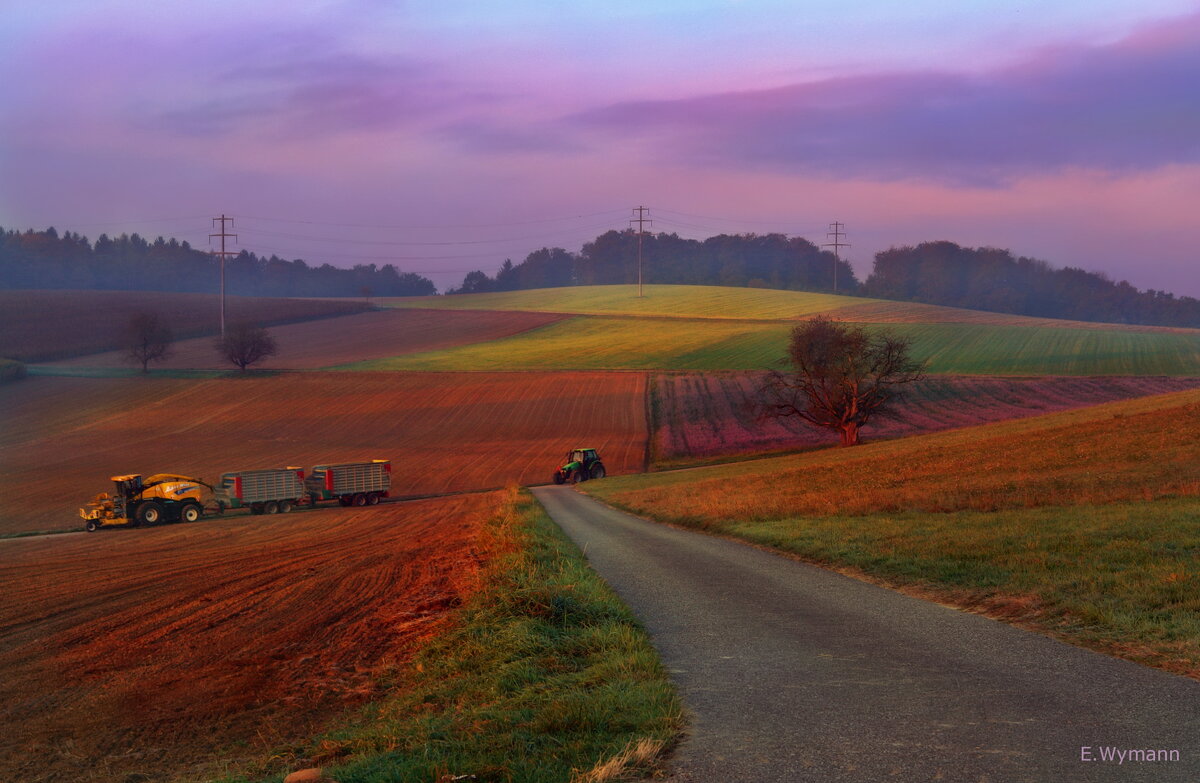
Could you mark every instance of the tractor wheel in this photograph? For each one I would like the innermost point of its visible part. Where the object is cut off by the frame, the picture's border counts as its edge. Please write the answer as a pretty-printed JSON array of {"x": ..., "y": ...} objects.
[
  {"x": 576, "y": 476},
  {"x": 360, "y": 500},
  {"x": 150, "y": 513},
  {"x": 285, "y": 506},
  {"x": 91, "y": 526},
  {"x": 558, "y": 477},
  {"x": 191, "y": 512},
  {"x": 270, "y": 507},
  {"x": 598, "y": 471},
  {"x": 373, "y": 499}
]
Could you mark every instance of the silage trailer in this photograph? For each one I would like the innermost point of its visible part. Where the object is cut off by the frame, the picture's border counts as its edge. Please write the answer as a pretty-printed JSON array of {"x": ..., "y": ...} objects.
[
  {"x": 351, "y": 483},
  {"x": 262, "y": 491}
]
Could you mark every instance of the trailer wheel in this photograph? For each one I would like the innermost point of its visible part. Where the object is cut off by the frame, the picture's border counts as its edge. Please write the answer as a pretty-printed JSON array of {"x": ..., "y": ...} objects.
[
  {"x": 359, "y": 500},
  {"x": 190, "y": 512},
  {"x": 270, "y": 507},
  {"x": 373, "y": 499},
  {"x": 150, "y": 513},
  {"x": 91, "y": 526},
  {"x": 285, "y": 506}
]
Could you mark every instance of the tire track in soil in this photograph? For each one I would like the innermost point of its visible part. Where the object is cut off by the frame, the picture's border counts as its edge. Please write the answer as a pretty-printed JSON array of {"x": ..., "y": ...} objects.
[{"x": 176, "y": 641}]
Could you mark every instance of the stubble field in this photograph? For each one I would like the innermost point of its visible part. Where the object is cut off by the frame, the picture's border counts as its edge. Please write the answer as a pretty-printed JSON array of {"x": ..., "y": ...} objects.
[
  {"x": 444, "y": 432},
  {"x": 45, "y": 325},
  {"x": 350, "y": 338},
  {"x": 184, "y": 652}
]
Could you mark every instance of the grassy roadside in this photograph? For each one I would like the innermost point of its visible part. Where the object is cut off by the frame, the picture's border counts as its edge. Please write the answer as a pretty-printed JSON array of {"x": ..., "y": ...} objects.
[
  {"x": 548, "y": 677},
  {"x": 1085, "y": 524}
]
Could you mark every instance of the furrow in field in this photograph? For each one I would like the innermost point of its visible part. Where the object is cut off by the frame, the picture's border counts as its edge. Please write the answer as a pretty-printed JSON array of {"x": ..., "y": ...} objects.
[
  {"x": 444, "y": 432},
  {"x": 715, "y": 414}
]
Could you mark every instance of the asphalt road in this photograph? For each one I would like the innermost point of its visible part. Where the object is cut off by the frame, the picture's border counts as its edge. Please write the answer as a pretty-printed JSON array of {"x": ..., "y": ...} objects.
[{"x": 794, "y": 673}]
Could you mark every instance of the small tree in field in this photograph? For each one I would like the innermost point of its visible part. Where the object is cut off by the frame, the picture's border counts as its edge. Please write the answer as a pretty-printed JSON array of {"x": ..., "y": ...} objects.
[
  {"x": 840, "y": 376},
  {"x": 147, "y": 339},
  {"x": 245, "y": 344}
]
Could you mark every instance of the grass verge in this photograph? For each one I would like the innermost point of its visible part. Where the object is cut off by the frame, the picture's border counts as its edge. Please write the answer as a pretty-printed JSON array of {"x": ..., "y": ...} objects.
[{"x": 547, "y": 677}]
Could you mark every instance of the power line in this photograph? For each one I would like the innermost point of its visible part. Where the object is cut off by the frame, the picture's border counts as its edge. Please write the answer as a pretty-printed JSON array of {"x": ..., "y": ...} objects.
[
  {"x": 731, "y": 220},
  {"x": 341, "y": 240},
  {"x": 223, "y": 219},
  {"x": 836, "y": 244},
  {"x": 409, "y": 227},
  {"x": 641, "y": 220}
]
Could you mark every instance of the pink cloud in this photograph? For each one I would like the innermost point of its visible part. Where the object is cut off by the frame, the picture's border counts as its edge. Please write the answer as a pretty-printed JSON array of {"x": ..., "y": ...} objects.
[{"x": 1119, "y": 107}]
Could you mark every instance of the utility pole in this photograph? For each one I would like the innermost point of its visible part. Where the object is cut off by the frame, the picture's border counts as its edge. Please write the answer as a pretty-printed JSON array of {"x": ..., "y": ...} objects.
[
  {"x": 837, "y": 244},
  {"x": 641, "y": 221},
  {"x": 222, "y": 254}
]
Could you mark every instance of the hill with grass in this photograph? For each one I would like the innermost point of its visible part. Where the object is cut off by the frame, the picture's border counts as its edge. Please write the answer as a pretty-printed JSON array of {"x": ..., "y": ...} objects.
[{"x": 716, "y": 328}]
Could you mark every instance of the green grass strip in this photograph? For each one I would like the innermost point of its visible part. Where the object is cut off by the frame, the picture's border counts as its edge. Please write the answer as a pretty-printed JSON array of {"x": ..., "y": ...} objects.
[
  {"x": 697, "y": 301},
  {"x": 593, "y": 343},
  {"x": 547, "y": 675}
]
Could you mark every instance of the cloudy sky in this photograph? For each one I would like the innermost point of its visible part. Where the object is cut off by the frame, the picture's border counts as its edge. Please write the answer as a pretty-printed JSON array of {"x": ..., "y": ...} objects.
[{"x": 445, "y": 136}]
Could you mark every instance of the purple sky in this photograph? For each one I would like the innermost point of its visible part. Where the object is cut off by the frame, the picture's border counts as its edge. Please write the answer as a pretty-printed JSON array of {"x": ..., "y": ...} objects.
[{"x": 446, "y": 139}]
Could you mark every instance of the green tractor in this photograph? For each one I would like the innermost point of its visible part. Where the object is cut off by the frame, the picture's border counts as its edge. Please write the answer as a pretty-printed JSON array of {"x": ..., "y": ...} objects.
[{"x": 581, "y": 465}]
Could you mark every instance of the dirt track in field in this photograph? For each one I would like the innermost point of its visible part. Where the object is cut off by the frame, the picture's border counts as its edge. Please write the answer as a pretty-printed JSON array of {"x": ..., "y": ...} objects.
[
  {"x": 705, "y": 415},
  {"x": 62, "y": 438},
  {"x": 351, "y": 338},
  {"x": 172, "y": 651}
]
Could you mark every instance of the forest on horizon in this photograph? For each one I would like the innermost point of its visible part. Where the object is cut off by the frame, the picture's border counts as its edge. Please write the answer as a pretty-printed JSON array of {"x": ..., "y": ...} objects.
[{"x": 939, "y": 272}]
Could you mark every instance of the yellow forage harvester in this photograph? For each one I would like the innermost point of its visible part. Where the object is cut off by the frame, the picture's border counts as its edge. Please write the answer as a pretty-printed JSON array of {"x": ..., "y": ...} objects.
[{"x": 163, "y": 497}]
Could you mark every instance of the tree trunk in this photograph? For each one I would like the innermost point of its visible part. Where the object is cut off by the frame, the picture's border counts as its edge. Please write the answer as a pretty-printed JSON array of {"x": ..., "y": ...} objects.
[{"x": 850, "y": 434}]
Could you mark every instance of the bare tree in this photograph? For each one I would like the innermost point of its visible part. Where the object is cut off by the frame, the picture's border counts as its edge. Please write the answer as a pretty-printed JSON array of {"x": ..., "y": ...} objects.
[
  {"x": 147, "y": 339},
  {"x": 840, "y": 376},
  {"x": 245, "y": 344}
]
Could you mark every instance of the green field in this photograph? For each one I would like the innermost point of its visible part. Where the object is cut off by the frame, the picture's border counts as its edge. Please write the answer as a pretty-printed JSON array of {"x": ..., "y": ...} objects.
[
  {"x": 719, "y": 302},
  {"x": 681, "y": 344},
  {"x": 692, "y": 301},
  {"x": 1085, "y": 523}
]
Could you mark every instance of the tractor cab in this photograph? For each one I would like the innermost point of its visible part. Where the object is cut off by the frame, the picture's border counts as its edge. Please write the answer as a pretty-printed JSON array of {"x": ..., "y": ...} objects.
[{"x": 581, "y": 465}]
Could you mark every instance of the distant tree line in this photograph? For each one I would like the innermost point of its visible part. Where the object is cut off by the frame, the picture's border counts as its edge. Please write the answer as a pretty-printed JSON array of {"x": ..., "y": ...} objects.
[
  {"x": 44, "y": 259},
  {"x": 941, "y": 273},
  {"x": 755, "y": 260},
  {"x": 986, "y": 278}
]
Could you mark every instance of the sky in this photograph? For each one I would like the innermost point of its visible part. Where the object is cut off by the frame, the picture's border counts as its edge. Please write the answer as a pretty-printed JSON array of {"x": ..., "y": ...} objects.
[{"x": 446, "y": 136}]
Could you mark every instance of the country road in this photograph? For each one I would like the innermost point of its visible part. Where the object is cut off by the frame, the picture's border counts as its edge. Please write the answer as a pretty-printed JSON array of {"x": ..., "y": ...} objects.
[{"x": 794, "y": 673}]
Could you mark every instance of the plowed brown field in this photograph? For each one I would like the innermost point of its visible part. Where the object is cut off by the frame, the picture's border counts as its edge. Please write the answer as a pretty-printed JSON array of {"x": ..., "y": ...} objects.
[
  {"x": 710, "y": 415},
  {"x": 62, "y": 438},
  {"x": 182, "y": 651},
  {"x": 351, "y": 338},
  {"x": 43, "y": 325}
]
